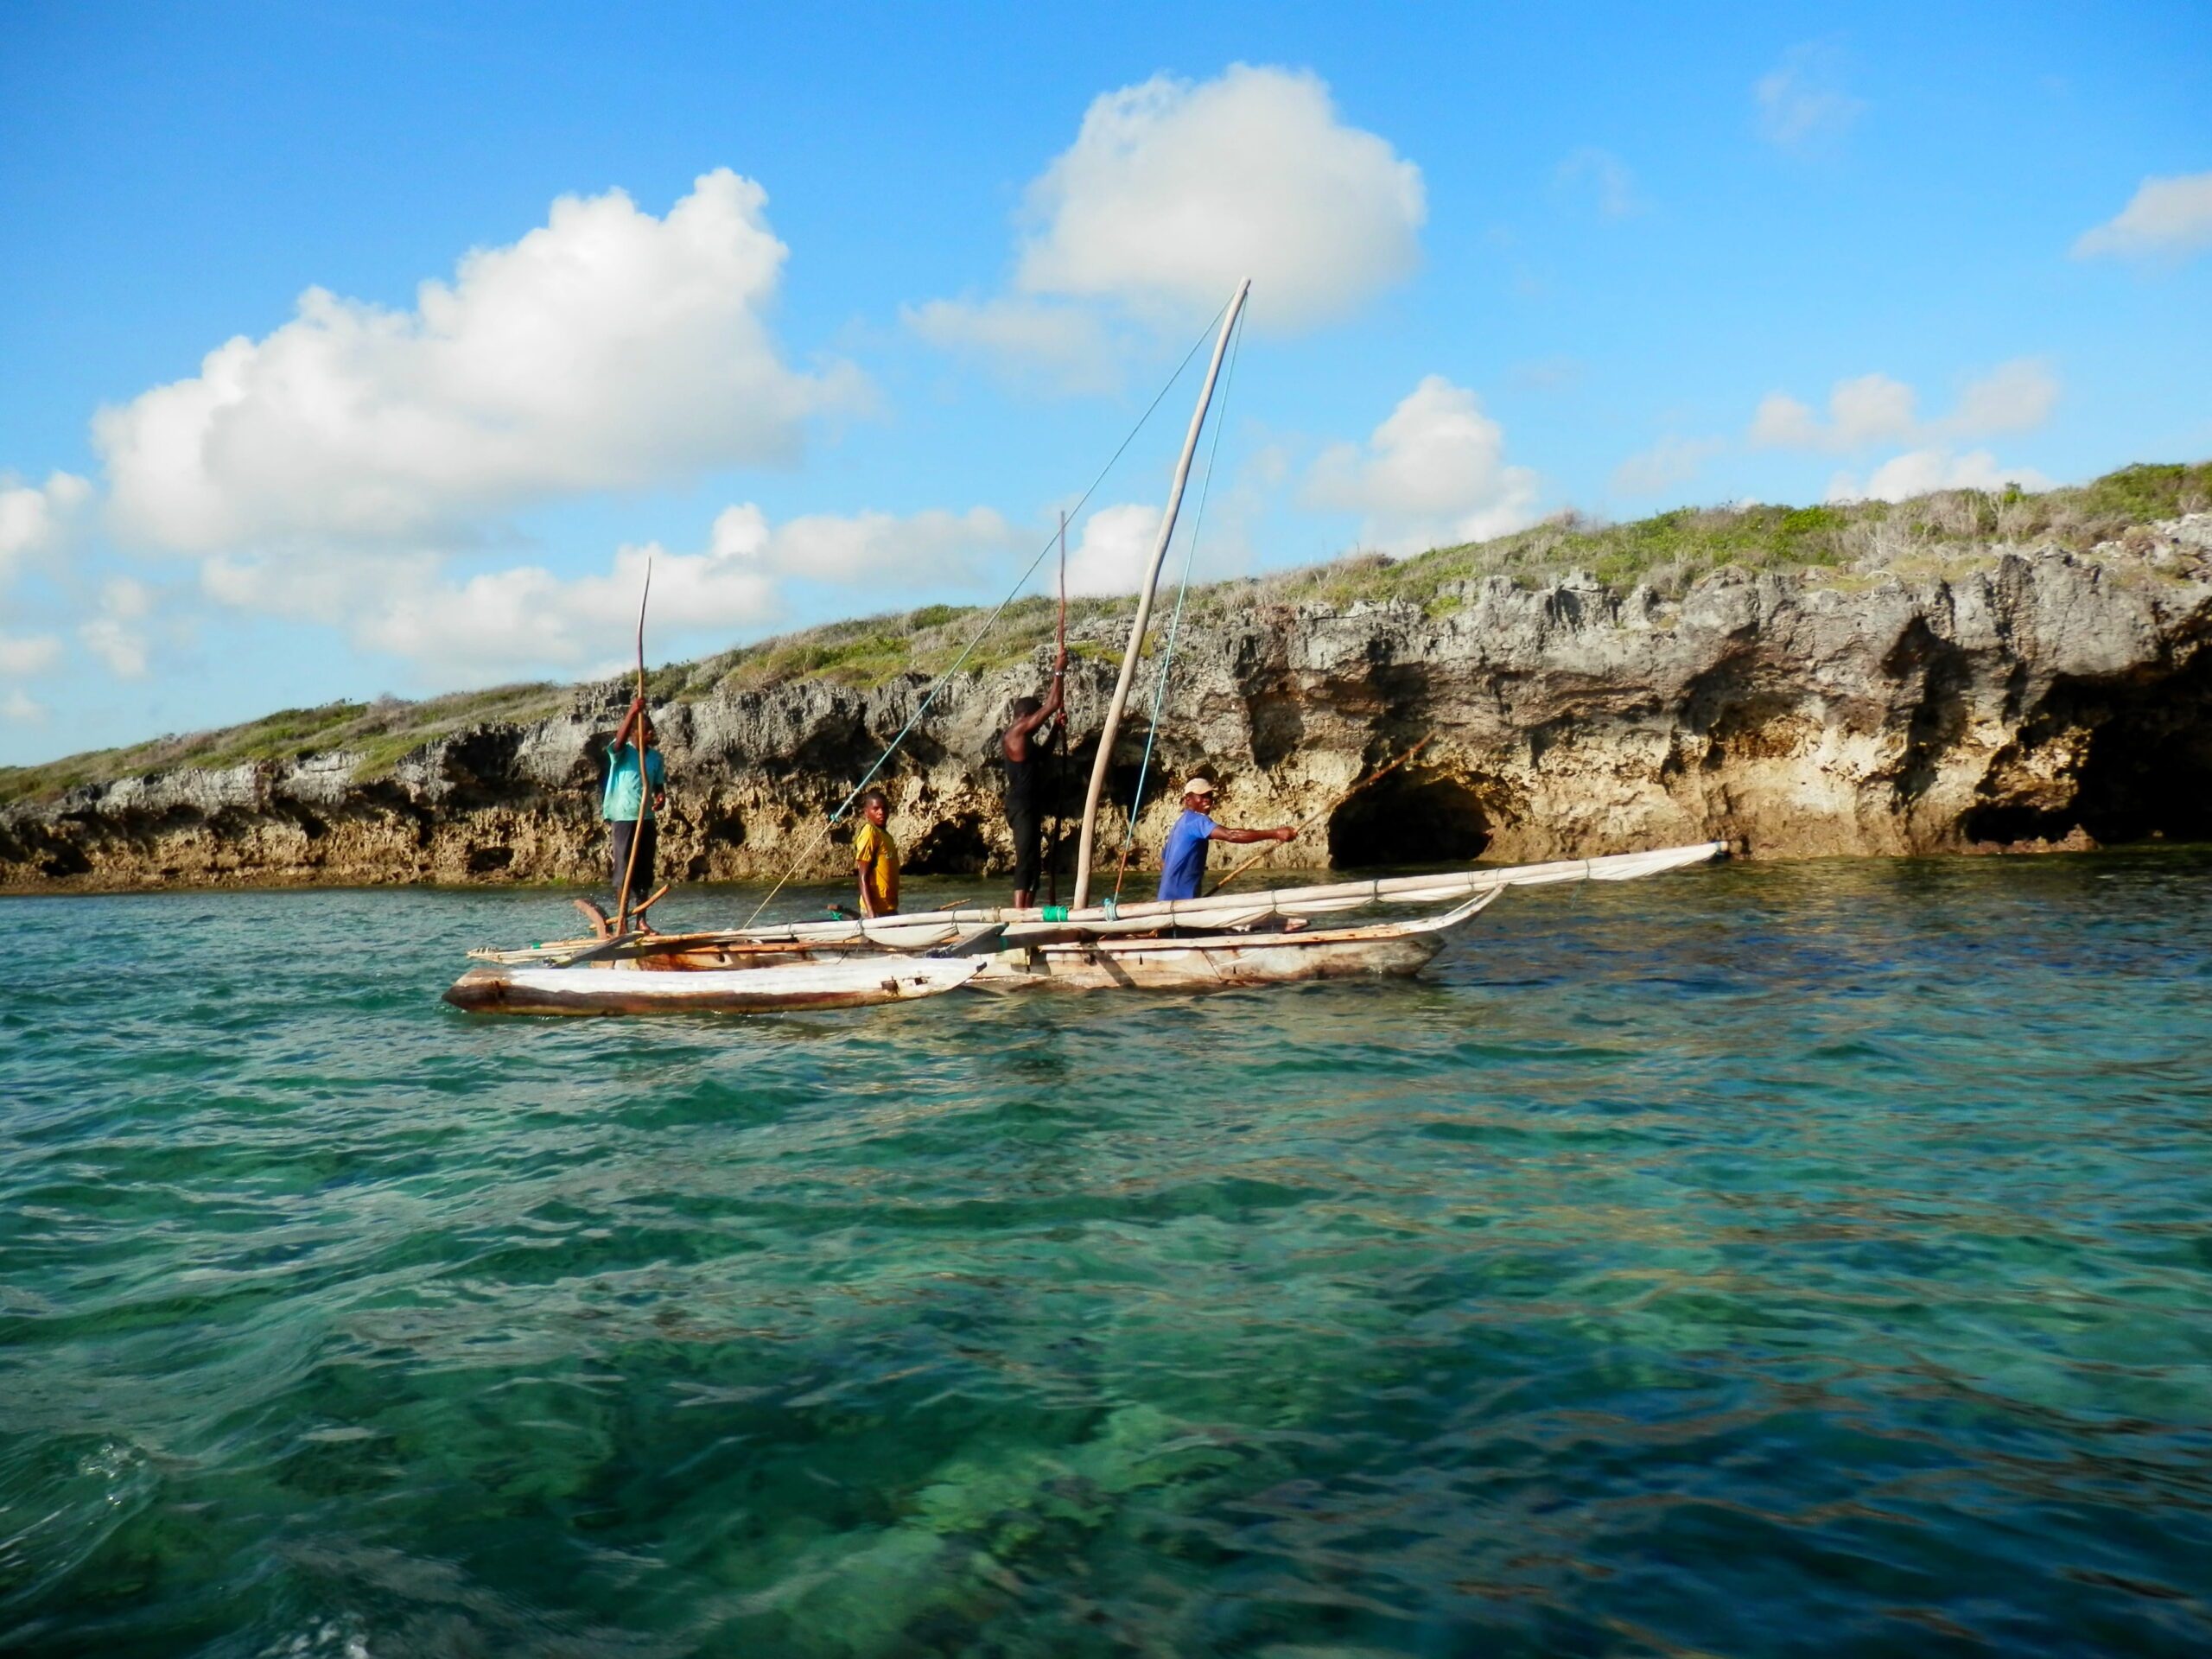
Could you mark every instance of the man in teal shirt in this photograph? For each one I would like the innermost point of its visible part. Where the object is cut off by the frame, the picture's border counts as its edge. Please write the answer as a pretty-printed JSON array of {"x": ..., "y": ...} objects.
[{"x": 622, "y": 803}]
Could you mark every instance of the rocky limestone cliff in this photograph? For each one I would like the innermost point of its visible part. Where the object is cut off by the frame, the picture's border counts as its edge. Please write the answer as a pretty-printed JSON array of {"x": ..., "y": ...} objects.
[{"x": 2029, "y": 699}]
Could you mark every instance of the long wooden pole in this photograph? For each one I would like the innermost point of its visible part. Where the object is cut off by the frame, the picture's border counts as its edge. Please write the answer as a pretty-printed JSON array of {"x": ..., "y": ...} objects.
[
  {"x": 1121, "y": 698},
  {"x": 644, "y": 784},
  {"x": 1057, "y": 740},
  {"x": 1378, "y": 773}
]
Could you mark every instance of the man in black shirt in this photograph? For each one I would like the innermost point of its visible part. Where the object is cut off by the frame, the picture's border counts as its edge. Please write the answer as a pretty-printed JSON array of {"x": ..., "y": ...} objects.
[{"x": 1030, "y": 716}]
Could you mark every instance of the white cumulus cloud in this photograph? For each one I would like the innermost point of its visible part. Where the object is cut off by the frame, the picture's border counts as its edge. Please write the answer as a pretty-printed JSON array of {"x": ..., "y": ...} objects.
[
  {"x": 1801, "y": 105},
  {"x": 606, "y": 349},
  {"x": 1433, "y": 475},
  {"x": 880, "y": 547},
  {"x": 34, "y": 517},
  {"x": 1867, "y": 410},
  {"x": 2169, "y": 217},
  {"x": 1871, "y": 409},
  {"x": 528, "y": 620},
  {"x": 19, "y": 708},
  {"x": 1173, "y": 192},
  {"x": 1115, "y": 546},
  {"x": 1919, "y": 470}
]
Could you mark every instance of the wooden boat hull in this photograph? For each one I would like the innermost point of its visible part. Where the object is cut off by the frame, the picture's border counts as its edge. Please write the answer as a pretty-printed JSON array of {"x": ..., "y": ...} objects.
[
  {"x": 1077, "y": 959},
  {"x": 1222, "y": 963},
  {"x": 787, "y": 987}
]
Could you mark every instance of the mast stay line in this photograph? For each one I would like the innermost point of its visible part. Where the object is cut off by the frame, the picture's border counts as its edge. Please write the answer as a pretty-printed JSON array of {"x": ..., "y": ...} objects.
[
  {"x": 991, "y": 621},
  {"x": 1175, "y": 626},
  {"x": 1121, "y": 698}
]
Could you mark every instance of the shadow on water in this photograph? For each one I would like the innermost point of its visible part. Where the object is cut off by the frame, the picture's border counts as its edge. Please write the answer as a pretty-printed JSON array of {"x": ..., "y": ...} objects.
[{"x": 1797, "y": 1259}]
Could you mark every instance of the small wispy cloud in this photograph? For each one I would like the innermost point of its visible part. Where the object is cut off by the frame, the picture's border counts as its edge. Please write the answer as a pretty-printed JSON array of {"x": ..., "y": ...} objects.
[
  {"x": 2166, "y": 217},
  {"x": 1561, "y": 373},
  {"x": 1670, "y": 461},
  {"x": 28, "y": 654},
  {"x": 1870, "y": 408},
  {"x": 1069, "y": 347},
  {"x": 115, "y": 635},
  {"x": 1801, "y": 105},
  {"x": 1607, "y": 177}
]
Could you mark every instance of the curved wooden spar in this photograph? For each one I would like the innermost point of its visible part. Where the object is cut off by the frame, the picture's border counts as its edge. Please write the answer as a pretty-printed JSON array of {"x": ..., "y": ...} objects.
[
  {"x": 644, "y": 785},
  {"x": 1113, "y": 709},
  {"x": 1057, "y": 740}
]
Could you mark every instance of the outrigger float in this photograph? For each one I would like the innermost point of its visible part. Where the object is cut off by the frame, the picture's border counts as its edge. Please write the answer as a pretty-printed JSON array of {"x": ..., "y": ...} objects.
[{"x": 1188, "y": 945}]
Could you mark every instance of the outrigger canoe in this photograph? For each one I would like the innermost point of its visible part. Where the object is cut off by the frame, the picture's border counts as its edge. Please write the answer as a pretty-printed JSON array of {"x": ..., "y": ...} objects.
[
  {"x": 1189, "y": 945},
  {"x": 1227, "y": 940}
]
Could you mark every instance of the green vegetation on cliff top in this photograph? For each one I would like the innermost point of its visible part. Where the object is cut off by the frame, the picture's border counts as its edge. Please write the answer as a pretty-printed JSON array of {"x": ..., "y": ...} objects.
[{"x": 1668, "y": 552}]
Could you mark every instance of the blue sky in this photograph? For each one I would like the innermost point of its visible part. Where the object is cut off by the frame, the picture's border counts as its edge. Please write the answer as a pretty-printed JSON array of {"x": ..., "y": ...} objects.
[{"x": 881, "y": 290}]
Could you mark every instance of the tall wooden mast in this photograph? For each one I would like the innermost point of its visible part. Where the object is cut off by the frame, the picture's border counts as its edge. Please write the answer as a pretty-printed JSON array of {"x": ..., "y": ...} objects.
[{"x": 1111, "y": 728}]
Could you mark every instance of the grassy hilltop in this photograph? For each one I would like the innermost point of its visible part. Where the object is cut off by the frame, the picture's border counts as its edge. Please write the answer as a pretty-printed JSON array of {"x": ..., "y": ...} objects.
[{"x": 1950, "y": 530}]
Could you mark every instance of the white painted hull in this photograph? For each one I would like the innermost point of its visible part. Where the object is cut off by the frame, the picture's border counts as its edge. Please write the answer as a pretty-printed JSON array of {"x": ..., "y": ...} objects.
[{"x": 855, "y": 982}]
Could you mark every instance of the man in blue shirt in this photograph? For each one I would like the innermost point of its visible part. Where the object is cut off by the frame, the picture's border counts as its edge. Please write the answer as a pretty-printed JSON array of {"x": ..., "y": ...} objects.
[
  {"x": 622, "y": 803},
  {"x": 1182, "y": 861}
]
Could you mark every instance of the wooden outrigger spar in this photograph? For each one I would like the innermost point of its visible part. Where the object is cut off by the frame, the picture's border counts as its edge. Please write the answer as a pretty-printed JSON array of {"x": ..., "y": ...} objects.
[{"x": 1222, "y": 939}]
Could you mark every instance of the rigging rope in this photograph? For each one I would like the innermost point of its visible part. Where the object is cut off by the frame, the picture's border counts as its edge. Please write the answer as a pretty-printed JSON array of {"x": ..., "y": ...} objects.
[
  {"x": 1175, "y": 621},
  {"x": 990, "y": 621}
]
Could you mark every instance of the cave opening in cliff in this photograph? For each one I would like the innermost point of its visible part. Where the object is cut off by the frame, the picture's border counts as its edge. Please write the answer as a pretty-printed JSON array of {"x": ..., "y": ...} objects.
[
  {"x": 2147, "y": 773},
  {"x": 1403, "y": 819},
  {"x": 2149, "y": 769},
  {"x": 956, "y": 846}
]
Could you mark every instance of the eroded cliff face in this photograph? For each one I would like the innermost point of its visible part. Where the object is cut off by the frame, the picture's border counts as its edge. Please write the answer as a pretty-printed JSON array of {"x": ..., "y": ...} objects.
[{"x": 2034, "y": 698}]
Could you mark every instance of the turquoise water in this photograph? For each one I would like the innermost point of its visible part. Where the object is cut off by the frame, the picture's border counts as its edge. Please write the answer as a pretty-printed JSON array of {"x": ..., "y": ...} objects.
[{"x": 1770, "y": 1259}]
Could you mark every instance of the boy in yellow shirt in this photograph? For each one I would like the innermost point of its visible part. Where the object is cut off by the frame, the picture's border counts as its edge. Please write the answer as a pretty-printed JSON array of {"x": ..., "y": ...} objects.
[{"x": 876, "y": 856}]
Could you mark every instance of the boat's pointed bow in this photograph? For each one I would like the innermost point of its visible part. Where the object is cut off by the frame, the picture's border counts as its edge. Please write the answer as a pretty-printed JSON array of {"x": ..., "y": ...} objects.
[{"x": 481, "y": 991}]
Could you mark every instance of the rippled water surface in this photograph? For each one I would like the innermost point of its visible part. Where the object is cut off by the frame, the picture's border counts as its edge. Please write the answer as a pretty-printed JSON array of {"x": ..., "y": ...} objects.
[{"x": 1767, "y": 1260}]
